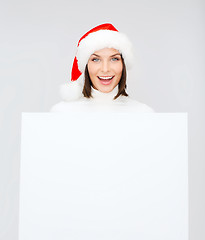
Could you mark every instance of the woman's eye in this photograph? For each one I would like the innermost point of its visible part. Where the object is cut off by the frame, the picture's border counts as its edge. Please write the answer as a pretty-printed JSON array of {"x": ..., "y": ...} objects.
[
  {"x": 115, "y": 59},
  {"x": 95, "y": 59}
]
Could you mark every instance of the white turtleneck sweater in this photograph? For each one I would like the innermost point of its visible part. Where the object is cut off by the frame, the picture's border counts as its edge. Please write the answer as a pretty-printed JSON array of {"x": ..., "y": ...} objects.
[{"x": 102, "y": 101}]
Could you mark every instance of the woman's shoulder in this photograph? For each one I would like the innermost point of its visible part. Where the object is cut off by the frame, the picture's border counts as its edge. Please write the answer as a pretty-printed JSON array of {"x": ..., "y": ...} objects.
[
  {"x": 123, "y": 103},
  {"x": 63, "y": 106},
  {"x": 137, "y": 105}
]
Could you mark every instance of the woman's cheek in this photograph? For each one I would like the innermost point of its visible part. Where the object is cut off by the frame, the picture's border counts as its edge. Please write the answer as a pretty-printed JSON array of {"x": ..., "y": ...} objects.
[{"x": 93, "y": 69}]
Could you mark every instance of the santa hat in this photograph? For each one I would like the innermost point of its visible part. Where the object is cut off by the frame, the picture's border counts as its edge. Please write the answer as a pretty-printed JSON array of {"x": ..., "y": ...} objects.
[{"x": 102, "y": 36}]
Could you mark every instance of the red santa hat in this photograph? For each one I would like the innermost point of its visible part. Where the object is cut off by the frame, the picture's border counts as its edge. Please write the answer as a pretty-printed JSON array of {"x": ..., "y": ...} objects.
[{"x": 102, "y": 36}]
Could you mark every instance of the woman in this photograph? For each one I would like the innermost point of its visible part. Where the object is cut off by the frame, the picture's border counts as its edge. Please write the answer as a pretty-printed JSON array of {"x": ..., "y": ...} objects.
[{"x": 98, "y": 78}]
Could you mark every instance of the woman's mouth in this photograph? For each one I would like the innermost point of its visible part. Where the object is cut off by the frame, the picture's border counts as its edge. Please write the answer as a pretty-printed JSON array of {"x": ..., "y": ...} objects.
[{"x": 105, "y": 80}]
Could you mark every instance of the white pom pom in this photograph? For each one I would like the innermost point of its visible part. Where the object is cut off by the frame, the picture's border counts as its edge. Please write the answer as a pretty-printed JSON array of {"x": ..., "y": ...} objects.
[{"x": 71, "y": 91}]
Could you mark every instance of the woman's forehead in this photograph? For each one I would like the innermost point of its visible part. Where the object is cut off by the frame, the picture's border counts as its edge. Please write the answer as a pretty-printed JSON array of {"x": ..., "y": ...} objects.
[{"x": 106, "y": 52}]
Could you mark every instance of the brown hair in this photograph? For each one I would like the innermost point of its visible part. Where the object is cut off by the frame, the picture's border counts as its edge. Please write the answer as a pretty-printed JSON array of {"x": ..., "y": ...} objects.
[{"x": 121, "y": 85}]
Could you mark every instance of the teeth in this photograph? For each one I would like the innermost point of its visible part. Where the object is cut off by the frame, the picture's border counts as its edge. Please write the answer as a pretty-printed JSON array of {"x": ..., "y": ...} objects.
[{"x": 106, "y": 78}]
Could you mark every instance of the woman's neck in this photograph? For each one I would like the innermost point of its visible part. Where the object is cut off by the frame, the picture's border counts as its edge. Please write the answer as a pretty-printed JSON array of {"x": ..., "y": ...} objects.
[{"x": 104, "y": 97}]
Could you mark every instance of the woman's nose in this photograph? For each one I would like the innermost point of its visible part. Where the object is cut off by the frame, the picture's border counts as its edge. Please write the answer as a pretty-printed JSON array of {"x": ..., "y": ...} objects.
[{"x": 105, "y": 66}]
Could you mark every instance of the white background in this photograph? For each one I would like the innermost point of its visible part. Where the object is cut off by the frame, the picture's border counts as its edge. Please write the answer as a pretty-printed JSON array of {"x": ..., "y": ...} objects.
[{"x": 37, "y": 47}]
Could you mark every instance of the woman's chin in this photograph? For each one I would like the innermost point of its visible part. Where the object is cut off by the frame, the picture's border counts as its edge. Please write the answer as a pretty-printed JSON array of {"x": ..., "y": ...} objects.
[{"x": 105, "y": 89}]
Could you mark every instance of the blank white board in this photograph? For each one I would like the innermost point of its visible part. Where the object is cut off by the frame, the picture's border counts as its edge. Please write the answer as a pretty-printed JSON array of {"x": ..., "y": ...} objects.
[{"x": 104, "y": 176}]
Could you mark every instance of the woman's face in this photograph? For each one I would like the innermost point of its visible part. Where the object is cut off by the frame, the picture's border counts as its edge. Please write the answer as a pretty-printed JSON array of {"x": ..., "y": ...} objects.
[{"x": 105, "y": 69}]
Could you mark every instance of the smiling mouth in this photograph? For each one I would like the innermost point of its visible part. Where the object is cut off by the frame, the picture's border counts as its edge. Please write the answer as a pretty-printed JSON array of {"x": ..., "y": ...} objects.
[
  {"x": 108, "y": 78},
  {"x": 105, "y": 80}
]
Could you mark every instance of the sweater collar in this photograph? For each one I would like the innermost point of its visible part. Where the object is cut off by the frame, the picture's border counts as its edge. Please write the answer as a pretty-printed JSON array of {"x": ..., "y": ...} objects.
[{"x": 104, "y": 97}]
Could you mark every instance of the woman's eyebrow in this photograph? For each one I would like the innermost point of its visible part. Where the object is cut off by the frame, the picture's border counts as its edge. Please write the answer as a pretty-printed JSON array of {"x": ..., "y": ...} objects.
[
  {"x": 115, "y": 54},
  {"x": 110, "y": 56},
  {"x": 95, "y": 55}
]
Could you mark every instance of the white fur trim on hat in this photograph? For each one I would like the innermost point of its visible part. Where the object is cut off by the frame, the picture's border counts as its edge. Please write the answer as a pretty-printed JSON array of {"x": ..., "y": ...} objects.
[
  {"x": 71, "y": 91},
  {"x": 102, "y": 39}
]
